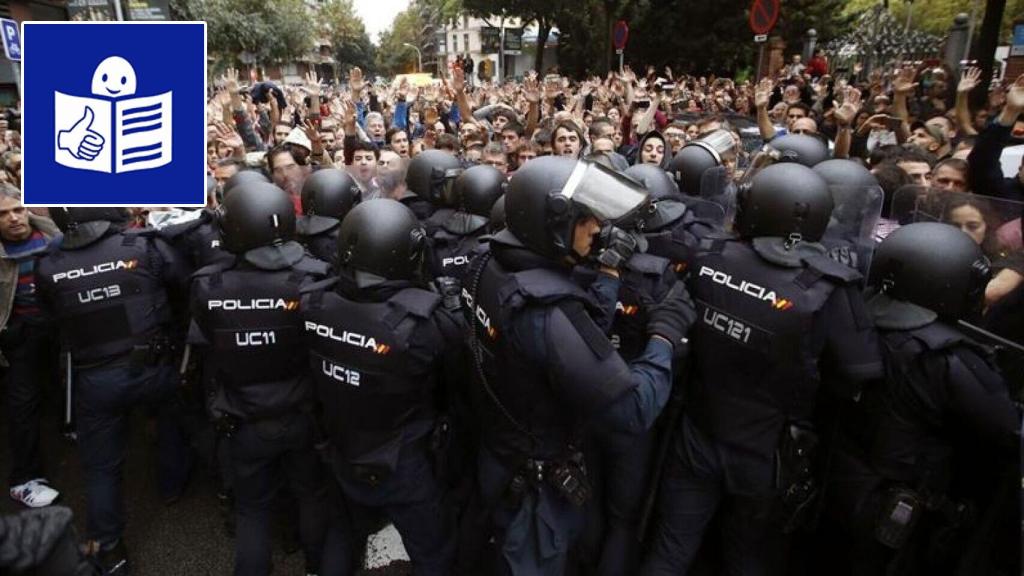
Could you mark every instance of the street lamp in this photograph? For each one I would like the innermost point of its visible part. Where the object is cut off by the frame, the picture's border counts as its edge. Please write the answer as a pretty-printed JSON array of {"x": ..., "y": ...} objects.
[{"x": 419, "y": 56}]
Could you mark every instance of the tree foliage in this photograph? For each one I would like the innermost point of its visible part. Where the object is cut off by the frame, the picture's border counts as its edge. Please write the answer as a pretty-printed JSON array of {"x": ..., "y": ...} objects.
[
  {"x": 392, "y": 56},
  {"x": 936, "y": 16},
  {"x": 338, "y": 23},
  {"x": 270, "y": 31}
]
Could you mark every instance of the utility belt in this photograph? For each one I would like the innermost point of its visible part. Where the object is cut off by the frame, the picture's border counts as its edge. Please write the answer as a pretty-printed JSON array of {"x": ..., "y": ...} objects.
[
  {"x": 157, "y": 351},
  {"x": 227, "y": 424},
  {"x": 567, "y": 476},
  {"x": 902, "y": 508},
  {"x": 797, "y": 485}
]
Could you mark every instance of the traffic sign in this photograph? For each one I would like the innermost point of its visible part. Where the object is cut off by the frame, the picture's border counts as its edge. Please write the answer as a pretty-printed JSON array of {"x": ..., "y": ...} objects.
[
  {"x": 620, "y": 35},
  {"x": 763, "y": 15},
  {"x": 12, "y": 39},
  {"x": 760, "y": 38}
]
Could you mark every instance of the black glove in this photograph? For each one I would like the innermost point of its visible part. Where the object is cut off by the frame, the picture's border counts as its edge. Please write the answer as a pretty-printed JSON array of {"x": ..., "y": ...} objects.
[
  {"x": 672, "y": 317},
  {"x": 619, "y": 246}
]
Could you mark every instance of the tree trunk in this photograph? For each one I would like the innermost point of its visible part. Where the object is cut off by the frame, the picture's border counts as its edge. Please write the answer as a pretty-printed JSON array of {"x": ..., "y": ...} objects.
[
  {"x": 543, "y": 29},
  {"x": 985, "y": 48}
]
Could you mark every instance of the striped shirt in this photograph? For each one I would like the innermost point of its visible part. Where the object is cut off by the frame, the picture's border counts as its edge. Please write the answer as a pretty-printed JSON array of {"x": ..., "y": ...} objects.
[{"x": 23, "y": 253}]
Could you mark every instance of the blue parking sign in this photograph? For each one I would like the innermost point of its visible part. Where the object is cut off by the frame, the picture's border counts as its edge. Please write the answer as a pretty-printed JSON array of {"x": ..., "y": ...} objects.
[
  {"x": 12, "y": 39},
  {"x": 114, "y": 114}
]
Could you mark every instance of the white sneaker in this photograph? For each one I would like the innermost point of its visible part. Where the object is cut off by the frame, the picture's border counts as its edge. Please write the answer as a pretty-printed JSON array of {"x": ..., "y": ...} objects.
[{"x": 34, "y": 493}]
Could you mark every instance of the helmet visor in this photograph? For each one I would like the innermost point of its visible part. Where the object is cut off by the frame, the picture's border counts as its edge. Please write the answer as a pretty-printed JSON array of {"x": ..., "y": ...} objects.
[{"x": 604, "y": 193}]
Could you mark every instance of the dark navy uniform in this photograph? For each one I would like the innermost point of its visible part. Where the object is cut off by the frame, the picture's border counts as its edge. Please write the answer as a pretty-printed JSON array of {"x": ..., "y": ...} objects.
[
  {"x": 379, "y": 358},
  {"x": 927, "y": 463},
  {"x": 619, "y": 463},
  {"x": 199, "y": 240},
  {"x": 453, "y": 243},
  {"x": 319, "y": 234},
  {"x": 547, "y": 370},
  {"x": 110, "y": 293},
  {"x": 767, "y": 317},
  {"x": 247, "y": 317}
]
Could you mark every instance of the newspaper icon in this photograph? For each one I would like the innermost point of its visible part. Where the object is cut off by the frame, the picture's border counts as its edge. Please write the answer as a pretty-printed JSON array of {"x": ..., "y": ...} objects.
[{"x": 113, "y": 133}]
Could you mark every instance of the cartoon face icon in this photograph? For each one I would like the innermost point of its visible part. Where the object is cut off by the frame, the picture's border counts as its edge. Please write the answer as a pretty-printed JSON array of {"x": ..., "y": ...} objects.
[{"x": 114, "y": 77}]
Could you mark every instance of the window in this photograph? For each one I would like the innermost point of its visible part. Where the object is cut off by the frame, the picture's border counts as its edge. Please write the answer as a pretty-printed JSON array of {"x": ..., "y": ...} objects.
[
  {"x": 455, "y": 43},
  {"x": 465, "y": 40}
]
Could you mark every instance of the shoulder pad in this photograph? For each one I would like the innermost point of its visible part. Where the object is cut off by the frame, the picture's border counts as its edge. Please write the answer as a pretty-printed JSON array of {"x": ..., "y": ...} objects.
[
  {"x": 318, "y": 286},
  {"x": 175, "y": 231},
  {"x": 892, "y": 314},
  {"x": 141, "y": 232},
  {"x": 831, "y": 269},
  {"x": 416, "y": 301},
  {"x": 213, "y": 268},
  {"x": 715, "y": 241},
  {"x": 547, "y": 285},
  {"x": 648, "y": 264},
  {"x": 939, "y": 336},
  {"x": 311, "y": 265}
]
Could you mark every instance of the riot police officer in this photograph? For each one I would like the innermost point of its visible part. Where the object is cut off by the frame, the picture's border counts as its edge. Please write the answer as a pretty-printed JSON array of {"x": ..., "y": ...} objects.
[
  {"x": 246, "y": 316},
  {"x": 327, "y": 195},
  {"x": 675, "y": 225},
  {"x": 776, "y": 318},
  {"x": 429, "y": 180},
  {"x": 928, "y": 495},
  {"x": 545, "y": 368},
  {"x": 384, "y": 350},
  {"x": 111, "y": 293},
  {"x": 200, "y": 239},
  {"x": 473, "y": 195}
]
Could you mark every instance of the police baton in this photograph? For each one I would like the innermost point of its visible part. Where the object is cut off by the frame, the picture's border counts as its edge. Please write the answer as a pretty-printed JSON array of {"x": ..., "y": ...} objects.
[{"x": 68, "y": 426}]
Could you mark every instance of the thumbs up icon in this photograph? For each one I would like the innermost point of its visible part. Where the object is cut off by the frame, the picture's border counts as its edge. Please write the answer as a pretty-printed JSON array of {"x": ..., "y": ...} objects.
[{"x": 81, "y": 141}]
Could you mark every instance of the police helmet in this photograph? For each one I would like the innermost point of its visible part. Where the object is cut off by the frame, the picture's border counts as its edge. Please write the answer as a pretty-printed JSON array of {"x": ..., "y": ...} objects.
[
  {"x": 497, "y": 218},
  {"x": 687, "y": 167},
  {"x": 329, "y": 192},
  {"x": 786, "y": 200},
  {"x": 933, "y": 265},
  {"x": 800, "y": 148},
  {"x": 658, "y": 183},
  {"x": 243, "y": 176},
  {"x": 261, "y": 214},
  {"x": 431, "y": 174},
  {"x": 381, "y": 240},
  {"x": 549, "y": 195},
  {"x": 67, "y": 218},
  {"x": 841, "y": 172},
  {"x": 477, "y": 189}
]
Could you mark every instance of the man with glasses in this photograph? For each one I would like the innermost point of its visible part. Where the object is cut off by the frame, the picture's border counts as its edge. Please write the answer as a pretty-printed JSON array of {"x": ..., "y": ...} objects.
[{"x": 494, "y": 155}]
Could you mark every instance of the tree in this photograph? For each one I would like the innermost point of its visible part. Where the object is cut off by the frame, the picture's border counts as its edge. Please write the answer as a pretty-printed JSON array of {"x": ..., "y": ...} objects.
[
  {"x": 270, "y": 31},
  {"x": 546, "y": 13},
  {"x": 393, "y": 57},
  {"x": 346, "y": 32},
  {"x": 936, "y": 16}
]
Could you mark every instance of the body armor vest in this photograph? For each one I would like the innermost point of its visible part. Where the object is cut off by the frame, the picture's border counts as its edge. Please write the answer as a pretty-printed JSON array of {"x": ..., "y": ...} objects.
[
  {"x": 523, "y": 415},
  {"x": 755, "y": 360},
  {"x": 250, "y": 319},
  {"x": 913, "y": 441},
  {"x": 370, "y": 378},
  {"x": 108, "y": 297},
  {"x": 643, "y": 279}
]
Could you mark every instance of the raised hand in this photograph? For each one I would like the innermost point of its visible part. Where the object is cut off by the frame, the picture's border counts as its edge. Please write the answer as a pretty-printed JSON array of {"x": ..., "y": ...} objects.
[
  {"x": 532, "y": 89},
  {"x": 228, "y": 136},
  {"x": 312, "y": 85},
  {"x": 904, "y": 83},
  {"x": 230, "y": 79},
  {"x": 846, "y": 113},
  {"x": 1015, "y": 94},
  {"x": 355, "y": 80},
  {"x": 458, "y": 83},
  {"x": 763, "y": 93},
  {"x": 969, "y": 80}
]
